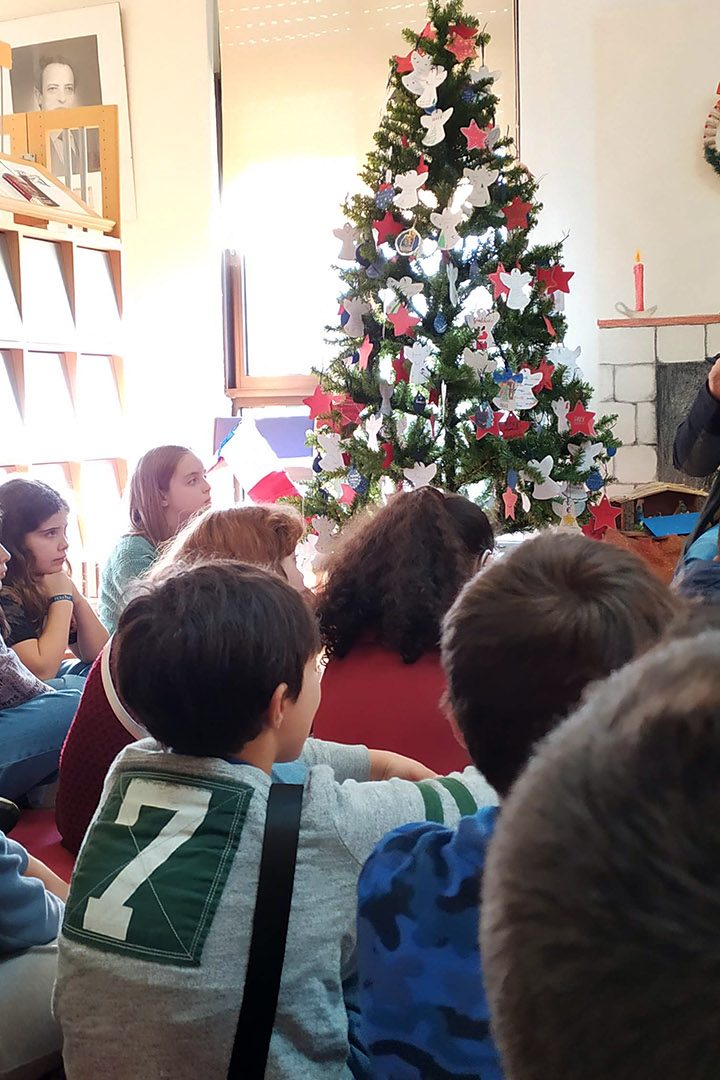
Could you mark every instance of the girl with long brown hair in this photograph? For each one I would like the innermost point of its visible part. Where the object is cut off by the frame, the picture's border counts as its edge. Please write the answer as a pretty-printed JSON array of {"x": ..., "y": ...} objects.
[{"x": 167, "y": 488}]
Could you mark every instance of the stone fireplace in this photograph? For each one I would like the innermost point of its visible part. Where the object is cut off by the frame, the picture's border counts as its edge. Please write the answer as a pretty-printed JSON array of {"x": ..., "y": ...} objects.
[{"x": 650, "y": 371}]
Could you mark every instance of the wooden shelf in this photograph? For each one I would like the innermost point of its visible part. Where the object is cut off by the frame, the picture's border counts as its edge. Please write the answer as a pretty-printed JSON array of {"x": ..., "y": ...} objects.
[
  {"x": 671, "y": 320},
  {"x": 255, "y": 391}
]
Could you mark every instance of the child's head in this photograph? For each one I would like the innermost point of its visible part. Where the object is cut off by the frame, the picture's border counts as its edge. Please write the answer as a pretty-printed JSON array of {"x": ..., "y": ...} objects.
[
  {"x": 398, "y": 569},
  {"x": 166, "y": 489},
  {"x": 261, "y": 535},
  {"x": 527, "y": 635},
  {"x": 601, "y": 895},
  {"x": 34, "y": 521},
  {"x": 207, "y": 657}
]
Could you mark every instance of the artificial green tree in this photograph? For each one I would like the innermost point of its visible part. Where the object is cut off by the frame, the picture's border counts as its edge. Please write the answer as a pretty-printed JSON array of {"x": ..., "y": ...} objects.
[{"x": 450, "y": 365}]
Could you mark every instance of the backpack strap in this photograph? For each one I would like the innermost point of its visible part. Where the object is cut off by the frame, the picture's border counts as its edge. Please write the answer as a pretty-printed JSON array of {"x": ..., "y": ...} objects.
[{"x": 269, "y": 933}]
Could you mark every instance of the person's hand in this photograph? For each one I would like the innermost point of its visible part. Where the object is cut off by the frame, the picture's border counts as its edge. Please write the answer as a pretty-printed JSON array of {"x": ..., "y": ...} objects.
[
  {"x": 58, "y": 584},
  {"x": 385, "y": 765},
  {"x": 714, "y": 380}
]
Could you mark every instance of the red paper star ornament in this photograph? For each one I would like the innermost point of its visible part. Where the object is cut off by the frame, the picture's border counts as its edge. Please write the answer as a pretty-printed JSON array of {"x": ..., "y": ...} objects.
[
  {"x": 348, "y": 495},
  {"x": 350, "y": 411},
  {"x": 561, "y": 279},
  {"x": 387, "y": 228},
  {"x": 516, "y": 214},
  {"x": 494, "y": 429},
  {"x": 401, "y": 371},
  {"x": 429, "y": 32},
  {"x": 476, "y": 137},
  {"x": 547, "y": 370},
  {"x": 404, "y": 63},
  {"x": 364, "y": 353},
  {"x": 510, "y": 502},
  {"x": 545, "y": 276},
  {"x": 387, "y": 448},
  {"x": 403, "y": 322},
  {"x": 462, "y": 48},
  {"x": 549, "y": 327},
  {"x": 589, "y": 530},
  {"x": 514, "y": 428},
  {"x": 421, "y": 166},
  {"x": 581, "y": 421},
  {"x": 434, "y": 396},
  {"x": 499, "y": 288},
  {"x": 605, "y": 515},
  {"x": 319, "y": 403},
  {"x": 463, "y": 30}
]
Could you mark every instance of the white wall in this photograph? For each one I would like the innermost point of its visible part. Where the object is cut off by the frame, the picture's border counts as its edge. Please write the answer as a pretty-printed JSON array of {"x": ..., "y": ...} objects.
[
  {"x": 614, "y": 99},
  {"x": 172, "y": 271}
]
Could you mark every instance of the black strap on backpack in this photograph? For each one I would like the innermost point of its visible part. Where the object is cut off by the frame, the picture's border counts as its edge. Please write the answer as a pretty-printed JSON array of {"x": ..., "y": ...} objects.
[{"x": 269, "y": 933}]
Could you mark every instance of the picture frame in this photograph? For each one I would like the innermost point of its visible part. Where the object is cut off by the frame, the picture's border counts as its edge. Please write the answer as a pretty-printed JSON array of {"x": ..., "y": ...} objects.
[{"x": 67, "y": 59}]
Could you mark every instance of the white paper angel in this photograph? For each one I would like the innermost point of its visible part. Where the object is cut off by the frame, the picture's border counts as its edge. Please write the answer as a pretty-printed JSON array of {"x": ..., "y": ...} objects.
[
  {"x": 547, "y": 488},
  {"x": 401, "y": 426},
  {"x": 406, "y": 286},
  {"x": 330, "y": 453},
  {"x": 356, "y": 308},
  {"x": 373, "y": 424},
  {"x": 349, "y": 236},
  {"x": 522, "y": 396},
  {"x": 561, "y": 408},
  {"x": 483, "y": 74},
  {"x": 560, "y": 354},
  {"x": 483, "y": 322},
  {"x": 447, "y": 221},
  {"x": 434, "y": 123},
  {"x": 517, "y": 282},
  {"x": 479, "y": 361},
  {"x": 418, "y": 355},
  {"x": 424, "y": 80},
  {"x": 325, "y": 528},
  {"x": 420, "y": 475},
  {"x": 386, "y": 393},
  {"x": 586, "y": 454},
  {"x": 568, "y": 511},
  {"x": 452, "y": 276},
  {"x": 409, "y": 184},
  {"x": 480, "y": 180}
]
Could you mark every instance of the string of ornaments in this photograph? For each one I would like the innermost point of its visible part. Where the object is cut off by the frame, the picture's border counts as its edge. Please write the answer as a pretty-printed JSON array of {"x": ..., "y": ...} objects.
[{"x": 427, "y": 326}]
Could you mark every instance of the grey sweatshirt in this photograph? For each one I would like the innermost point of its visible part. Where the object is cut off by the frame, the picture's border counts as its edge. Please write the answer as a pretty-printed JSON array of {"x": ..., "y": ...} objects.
[{"x": 153, "y": 958}]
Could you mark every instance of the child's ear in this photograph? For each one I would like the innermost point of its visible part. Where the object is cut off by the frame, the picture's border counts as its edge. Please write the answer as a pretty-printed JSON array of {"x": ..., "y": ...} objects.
[{"x": 275, "y": 710}]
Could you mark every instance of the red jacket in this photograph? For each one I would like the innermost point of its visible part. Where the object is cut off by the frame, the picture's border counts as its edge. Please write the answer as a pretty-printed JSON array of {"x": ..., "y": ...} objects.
[
  {"x": 371, "y": 696},
  {"x": 100, "y": 730}
]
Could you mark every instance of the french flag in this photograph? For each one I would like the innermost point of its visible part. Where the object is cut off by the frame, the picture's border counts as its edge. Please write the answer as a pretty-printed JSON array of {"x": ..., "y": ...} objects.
[{"x": 255, "y": 465}]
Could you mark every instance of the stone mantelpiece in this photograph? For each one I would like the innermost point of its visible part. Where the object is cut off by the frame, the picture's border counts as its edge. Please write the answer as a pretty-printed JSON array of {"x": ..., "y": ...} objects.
[{"x": 631, "y": 352}]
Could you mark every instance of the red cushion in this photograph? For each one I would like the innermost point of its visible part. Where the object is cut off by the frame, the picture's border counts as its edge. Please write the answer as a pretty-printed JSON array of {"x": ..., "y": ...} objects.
[{"x": 37, "y": 832}]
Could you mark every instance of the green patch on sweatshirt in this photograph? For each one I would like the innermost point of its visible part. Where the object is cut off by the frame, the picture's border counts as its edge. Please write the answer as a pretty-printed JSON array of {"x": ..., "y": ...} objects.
[{"x": 153, "y": 868}]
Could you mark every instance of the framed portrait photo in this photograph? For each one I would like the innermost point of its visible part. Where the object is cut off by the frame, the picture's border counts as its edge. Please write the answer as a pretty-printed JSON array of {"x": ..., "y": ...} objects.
[{"x": 69, "y": 59}]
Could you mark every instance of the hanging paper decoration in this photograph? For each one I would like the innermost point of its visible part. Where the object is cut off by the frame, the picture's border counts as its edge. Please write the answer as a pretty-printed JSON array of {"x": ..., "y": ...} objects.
[
  {"x": 483, "y": 74},
  {"x": 319, "y": 403},
  {"x": 440, "y": 323},
  {"x": 562, "y": 356},
  {"x": 364, "y": 353},
  {"x": 409, "y": 184},
  {"x": 419, "y": 404},
  {"x": 486, "y": 422},
  {"x": 400, "y": 369},
  {"x": 357, "y": 482},
  {"x": 561, "y": 408},
  {"x": 349, "y": 239},
  {"x": 586, "y": 454},
  {"x": 355, "y": 307},
  {"x": 554, "y": 278},
  {"x": 387, "y": 449},
  {"x": 595, "y": 481},
  {"x": 516, "y": 213},
  {"x": 496, "y": 279},
  {"x": 406, "y": 287},
  {"x": 483, "y": 322},
  {"x": 418, "y": 355},
  {"x": 462, "y": 43},
  {"x": 513, "y": 427},
  {"x": 605, "y": 515},
  {"x": 452, "y": 276},
  {"x": 434, "y": 124},
  {"x": 408, "y": 242},
  {"x": 331, "y": 459},
  {"x": 402, "y": 321},
  {"x": 423, "y": 80},
  {"x": 509, "y": 502},
  {"x": 373, "y": 424},
  {"x": 386, "y": 393},
  {"x": 516, "y": 391},
  {"x": 420, "y": 475},
  {"x": 477, "y": 137},
  {"x": 516, "y": 283},
  {"x": 387, "y": 228},
  {"x": 447, "y": 221},
  {"x": 385, "y": 196},
  {"x": 480, "y": 180},
  {"x": 547, "y": 488},
  {"x": 581, "y": 421},
  {"x": 479, "y": 361}
]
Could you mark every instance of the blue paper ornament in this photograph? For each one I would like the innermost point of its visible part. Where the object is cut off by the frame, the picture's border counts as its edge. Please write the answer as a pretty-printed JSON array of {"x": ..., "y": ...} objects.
[
  {"x": 468, "y": 96},
  {"x": 361, "y": 258},
  {"x": 474, "y": 270},
  {"x": 419, "y": 403},
  {"x": 440, "y": 323},
  {"x": 512, "y": 479},
  {"x": 372, "y": 271},
  {"x": 316, "y": 464},
  {"x": 611, "y": 451},
  {"x": 384, "y": 198},
  {"x": 357, "y": 482},
  {"x": 344, "y": 317},
  {"x": 594, "y": 481}
]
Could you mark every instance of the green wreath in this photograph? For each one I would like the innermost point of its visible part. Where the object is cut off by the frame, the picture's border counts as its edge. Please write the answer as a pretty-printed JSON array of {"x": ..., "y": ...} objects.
[{"x": 712, "y": 156}]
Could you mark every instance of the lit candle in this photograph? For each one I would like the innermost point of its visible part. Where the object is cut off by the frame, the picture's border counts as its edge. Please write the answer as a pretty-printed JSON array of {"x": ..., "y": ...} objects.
[{"x": 639, "y": 275}]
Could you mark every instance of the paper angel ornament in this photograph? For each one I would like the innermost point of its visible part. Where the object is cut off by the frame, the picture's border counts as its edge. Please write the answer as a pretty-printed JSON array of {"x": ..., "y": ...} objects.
[
  {"x": 517, "y": 282},
  {"x": 330, "y": 453},
  {"x": 561, "y": 408},
  {"x": 480, "y": 180},
  {"x": 420, "y": 475},
  {"x": 386, "y": 393},
  {"x": 452, "y": 276},
  {"x": 517, "y": 394},
  {"x": 409, "y": 184},
  {"x": 483, "y": 322},
  {"x": 349, "y": 237},
  {"x": 373, "y": 424},
  {"x": 356, "y": 308},
  {"x": 447, "y": 221},
  {"x": 568, "y": 512},
  {"x": 325, "y": 529},
  {"x": 333, "y": 487},
  {"x": 418, "y": 355},
  {"x": 406, "y": 287},
  {"x": 422, "y": 82},
  {"x": 586, "y": 454},
  {"x": 479, "y": 361},
  {"x": 547, "y": 488},
  {"x": 483, "y": 74},
  {"x": 560, "y": 354},
  {"x": 434, "y": 123}
]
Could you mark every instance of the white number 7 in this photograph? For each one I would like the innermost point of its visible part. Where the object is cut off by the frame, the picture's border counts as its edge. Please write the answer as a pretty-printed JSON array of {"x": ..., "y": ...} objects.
[{"x": 110, "y": 914}]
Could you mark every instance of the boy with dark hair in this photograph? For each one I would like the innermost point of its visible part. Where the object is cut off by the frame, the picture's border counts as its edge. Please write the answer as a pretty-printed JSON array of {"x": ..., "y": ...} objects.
[
  {"x": 601, "y": 899},
  {"x": 220, "y": 663},
  {"x": 520, "y": 644}
]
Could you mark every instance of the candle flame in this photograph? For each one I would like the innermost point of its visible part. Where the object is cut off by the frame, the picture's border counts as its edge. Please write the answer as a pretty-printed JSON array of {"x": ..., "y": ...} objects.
[{"x": 638, "y": 257}]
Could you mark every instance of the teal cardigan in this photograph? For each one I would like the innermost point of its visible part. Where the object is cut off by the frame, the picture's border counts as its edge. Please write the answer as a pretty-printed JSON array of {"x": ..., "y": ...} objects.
[{"x": 131, "y": 557}]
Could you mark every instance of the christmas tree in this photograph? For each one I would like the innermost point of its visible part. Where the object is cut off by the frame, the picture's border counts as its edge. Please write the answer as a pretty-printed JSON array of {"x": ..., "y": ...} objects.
[{"x": 451, "y": 367}]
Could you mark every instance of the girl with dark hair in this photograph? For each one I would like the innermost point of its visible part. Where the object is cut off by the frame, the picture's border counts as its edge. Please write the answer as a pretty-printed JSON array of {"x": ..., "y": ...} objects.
[
  {"x": 43, "y": 609},
  {"x": 389, "y": 584},
  {"x": 168, "y": 487}
]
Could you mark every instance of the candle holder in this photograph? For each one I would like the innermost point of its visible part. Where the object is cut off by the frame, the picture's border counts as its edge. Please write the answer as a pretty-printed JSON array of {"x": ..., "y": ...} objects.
[{"x": 631, "y": 313}]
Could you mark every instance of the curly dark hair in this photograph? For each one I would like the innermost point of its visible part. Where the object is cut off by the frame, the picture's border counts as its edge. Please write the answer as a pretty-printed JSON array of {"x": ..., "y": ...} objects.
[{"x": 398, "y": 569}]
